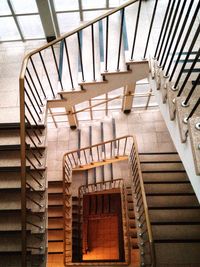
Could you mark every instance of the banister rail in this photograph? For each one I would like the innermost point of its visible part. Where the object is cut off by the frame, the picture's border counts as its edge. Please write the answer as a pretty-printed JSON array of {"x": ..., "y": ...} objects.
[{"x": 109, "y": 150}]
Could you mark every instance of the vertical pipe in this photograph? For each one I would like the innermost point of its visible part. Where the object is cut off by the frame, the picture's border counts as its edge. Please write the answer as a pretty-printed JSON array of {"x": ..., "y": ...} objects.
[
  {"x": 120, "y": 38},
  {"x": 136, "y": 29}
]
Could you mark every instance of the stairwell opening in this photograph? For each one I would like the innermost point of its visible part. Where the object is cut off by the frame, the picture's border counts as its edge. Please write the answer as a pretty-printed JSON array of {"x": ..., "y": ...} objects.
[{"x": 101, "y": 228}]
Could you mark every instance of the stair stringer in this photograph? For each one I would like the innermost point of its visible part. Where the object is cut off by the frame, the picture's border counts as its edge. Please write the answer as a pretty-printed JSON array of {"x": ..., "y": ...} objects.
[
  {"x": 137, "y": 71},
  {"x": 184, "y": 149}
]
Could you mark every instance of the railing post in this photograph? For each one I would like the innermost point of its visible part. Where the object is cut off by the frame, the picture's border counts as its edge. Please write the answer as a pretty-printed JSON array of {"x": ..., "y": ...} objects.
[{"x": 23, "y": 172}]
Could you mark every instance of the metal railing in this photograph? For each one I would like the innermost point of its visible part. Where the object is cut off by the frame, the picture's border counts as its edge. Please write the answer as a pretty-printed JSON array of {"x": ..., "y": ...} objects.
[
  {"x": 41, "y": 77},
  {"x": 72, "y": 160},
  {"x": 145, "y": 237},
  {"x": 107, "y": 151}
]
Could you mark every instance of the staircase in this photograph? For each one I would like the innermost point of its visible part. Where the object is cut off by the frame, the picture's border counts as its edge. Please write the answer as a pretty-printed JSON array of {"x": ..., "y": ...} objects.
[
  {"x": 174, "y": 76},
  {"x": 173, "y": 209},
  {"x": 10, "y": 208}
]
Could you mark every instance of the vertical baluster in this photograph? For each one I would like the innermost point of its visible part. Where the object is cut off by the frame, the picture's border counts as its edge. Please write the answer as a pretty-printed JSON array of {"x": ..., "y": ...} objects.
[
  {"x": 93, "y": 52},
  {"x": 68, "y": 62},
  {"x": 39, "y": 81},
  {"x": 185, "y": 103},
  {"x": 185, "y": 41},
  {"x": 166, "y": 29},
  {"x": 189, "y": 73},
  {"x": 174, "y": 34},
  {"x": 169, "y": 33},
  {"x": 80, "y": 54},
  {"x": 47, "y": 75},
  {"x": 179, "y": 36},
  {"x": 30, "y": 76},
  {"x": 106, "y": 48},
  {"x": 136, "y": 29},
  {"x": 187, "y": 56},
  {"x": 120, "y": 38},
  {"x": 56, "y": 64},
  {"x": 150, "y": 28}
]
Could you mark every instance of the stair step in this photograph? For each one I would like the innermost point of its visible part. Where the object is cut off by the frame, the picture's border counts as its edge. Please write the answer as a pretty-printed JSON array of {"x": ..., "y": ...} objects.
[
  {"x": 176, "y": 232},
  {"x": 174, "y": 215},
  {"x": 164, "y": 176},
  {"x": 56, "y": 247},
  {"x": 159, "y": 158},
  {"x": 178, "y": 253},
  {"x": 55, "y": 235},
  {"x": 172, "y": 201},
  {"x": 55, "y": 199},
  {"x": 55, "y": 187},
  {"x": 55, "y": 223},
  {"x": 56, "y": 211},
  {"x": 163, "y": 188},
  {"x": 161, "y": 167}
]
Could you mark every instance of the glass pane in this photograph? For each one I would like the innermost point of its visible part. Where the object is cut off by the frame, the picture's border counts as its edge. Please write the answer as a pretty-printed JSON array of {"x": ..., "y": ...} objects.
[
  {"x": 31, "y": 26},
  {"x": 89, "y": 15},
  {"x": 9, "y": 32},
  {"x": 93, "y": 4},
  {"x": 4, "y": 8},
  {"x": 24, "y": 6},
  {"x": 68, "y": 21},
  {"x": 61, "y": 5},
  {"x": 114, "y": 3}
]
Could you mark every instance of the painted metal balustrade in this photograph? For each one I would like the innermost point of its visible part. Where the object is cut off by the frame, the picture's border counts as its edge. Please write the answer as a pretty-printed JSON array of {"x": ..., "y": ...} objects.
[
  {"x": 41, "y": 79},
  {"x": 125, "y": 146}
]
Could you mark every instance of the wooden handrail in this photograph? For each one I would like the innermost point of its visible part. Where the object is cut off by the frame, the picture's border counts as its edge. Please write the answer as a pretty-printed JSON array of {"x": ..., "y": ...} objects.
[{"x": 98, "y": 144}]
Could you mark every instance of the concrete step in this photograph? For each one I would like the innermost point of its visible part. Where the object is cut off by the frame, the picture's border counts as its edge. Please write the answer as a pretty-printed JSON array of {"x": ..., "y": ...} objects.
[
  {"x": 174, "y": 215},
  {"x": 151, "y": 167},
  {"x": 11, "y": 200},
  {"x": 164, "y": 177},
  {"x": 159, "y": 157},
  {"x": 55, "y": 199},
  {"x": 178, "y": 254},
  {"x": 168, "y": 188},
  {"x": 55, "y": 235},
  {"x": 55, "y": 187},
  {"x": 55, "y": 223},
  {"x": 176, "y": 232},
  {"x": 172, "y": 201},
  {"x": 55, "y": 211},
  {"x": 56, "y": 247}
]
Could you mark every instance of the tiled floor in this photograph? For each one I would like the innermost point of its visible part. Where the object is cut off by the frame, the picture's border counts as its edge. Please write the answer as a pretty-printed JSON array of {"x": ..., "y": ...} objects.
[{"x": 148, "y": 127}]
